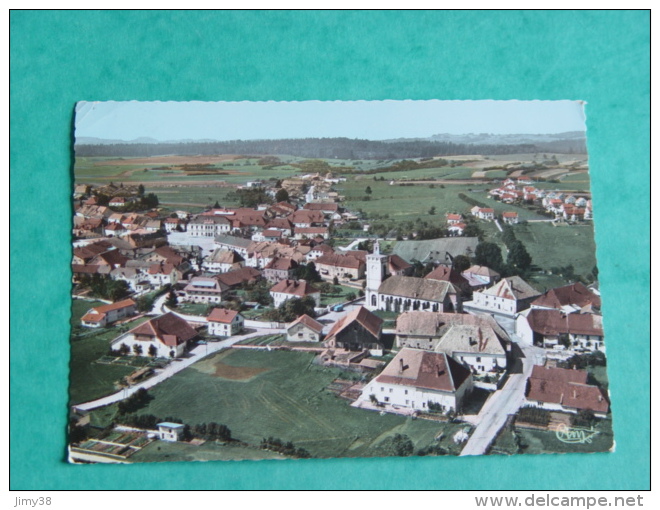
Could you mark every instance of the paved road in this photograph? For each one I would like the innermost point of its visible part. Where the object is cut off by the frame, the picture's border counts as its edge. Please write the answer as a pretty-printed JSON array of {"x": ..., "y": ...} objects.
[
  {"x": 328, "y": 320},
  {"x": 175, "y": 366},
  {"x": 502, "y": 403},
  {"x": 353, "y": 244}
]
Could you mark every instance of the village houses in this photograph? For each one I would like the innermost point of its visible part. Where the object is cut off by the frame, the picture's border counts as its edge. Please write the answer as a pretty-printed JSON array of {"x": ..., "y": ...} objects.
[
  {"x": 166, "y": 336},
  {"x": 224, "y": 322},
  {"x": 304, "y": 329},
  {"x": 417, "y": 380}
]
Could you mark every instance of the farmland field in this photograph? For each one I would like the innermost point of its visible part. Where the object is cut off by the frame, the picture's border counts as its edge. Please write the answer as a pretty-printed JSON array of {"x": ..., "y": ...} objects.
[
  {"x": 284, "y": 395},
  {"x": 545, "y": 441},
  {"x": 558, "y": 246},
  {"x": 160, "y": 451},
  {"x": 407, "y": 203},
  {"x": 90, "y": 380}
]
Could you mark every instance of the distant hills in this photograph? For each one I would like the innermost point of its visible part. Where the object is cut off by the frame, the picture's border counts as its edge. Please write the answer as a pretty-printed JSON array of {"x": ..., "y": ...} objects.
[{"x": 343, "y": 148}]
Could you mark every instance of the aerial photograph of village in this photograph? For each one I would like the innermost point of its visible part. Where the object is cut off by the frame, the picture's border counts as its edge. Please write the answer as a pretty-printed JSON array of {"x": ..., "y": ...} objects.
[{"x": 334, "y": 279}]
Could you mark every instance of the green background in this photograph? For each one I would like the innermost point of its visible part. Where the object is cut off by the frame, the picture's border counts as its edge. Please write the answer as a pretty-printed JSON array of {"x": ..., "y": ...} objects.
[{"x": 60, "y": 57}]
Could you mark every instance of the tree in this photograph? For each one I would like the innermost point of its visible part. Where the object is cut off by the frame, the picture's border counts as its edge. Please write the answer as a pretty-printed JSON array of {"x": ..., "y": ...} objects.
[
  {"x": 216, "y": 205},
  {"x": 518, "y": 256},
  {"x": 172, "y": 301},
  {"x": 124, "y": 349},
  {"x": 402, "y": 445},
  {"x": 282, "y": 195},
  {"x": 140, "y": 191},
  {"x": 488, "y": 254},
  {"x": 153, "y": 351},
  {"x": 508, "y": 237},
  {"x": 137, "y": 349},
  {"x": 461, "y": 263},
  {"x": 432, "y": 211},
  {"x": 150, "y": 201},
  {"x": 368, "y": 190},
  {"x": 145, "y": 303},
  {"x": 77, "y": 434},
  {"x": 335, "y": 281},
  {"x": 311, "y": 274}
]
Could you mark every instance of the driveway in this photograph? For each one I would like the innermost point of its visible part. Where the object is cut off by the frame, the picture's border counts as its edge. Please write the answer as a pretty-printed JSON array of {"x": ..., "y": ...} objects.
[
  {"x": 502, "y": 403},
  {"x": 328, "y": 320}
]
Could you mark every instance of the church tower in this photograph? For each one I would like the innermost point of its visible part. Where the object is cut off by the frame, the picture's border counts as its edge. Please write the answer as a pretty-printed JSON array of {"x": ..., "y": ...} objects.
[{"x": 375, "y": 275}]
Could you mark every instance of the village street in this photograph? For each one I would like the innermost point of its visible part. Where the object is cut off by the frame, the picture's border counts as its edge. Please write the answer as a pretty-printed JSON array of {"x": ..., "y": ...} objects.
[
  {"x": 502, "y": 403},
  {"x": 174, "y": 367},
  {"x": 328, "y": 320}
]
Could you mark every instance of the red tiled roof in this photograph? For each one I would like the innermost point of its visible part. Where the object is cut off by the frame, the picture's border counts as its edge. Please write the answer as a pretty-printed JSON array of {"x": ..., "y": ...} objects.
[
  {"x": 306, "y": 216},
  {"x": 272, "y": 233},
  {"x": 447, "y": 274},
  {"x": 554, "y": 322},
  {"x": 510, "y": 215},
  {"x": 339, "y": 260},
  {"x": 239, "y": 276},
  {"x": 566, "y": 387},
  {"x": 92, "y": 250},
  {"x": 222, "y": 315},
  {"x": 93, "y": 317},
  {"x": 424, "y": 370},
  {"x": 321, "y": 206},
  {"x": 169, "y": 255},
  {"x": 114, "y": 306},
  {"x": 312, "y": 324},
  {"x": 576, "y": 294},
  {"x": 311, "y": 230},
  {"x": 324, "y": 248},
  {"x": 298, "y": 288},
  {"x": 282, "y": 264},
  {"x": 372, "y": 323},
  {"x": 397, "y": 263},
  {"x": 170, "y": 329},
  {"x": 161, "y": 268},
  {"x": 279, "y": 223}
]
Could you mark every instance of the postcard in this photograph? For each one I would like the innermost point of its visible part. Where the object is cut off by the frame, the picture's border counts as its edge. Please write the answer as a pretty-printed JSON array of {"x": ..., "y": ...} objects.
[{"x": 279, "y": 280}]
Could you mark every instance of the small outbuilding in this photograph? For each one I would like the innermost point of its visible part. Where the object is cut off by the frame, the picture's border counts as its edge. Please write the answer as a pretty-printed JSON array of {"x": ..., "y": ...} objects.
[
  {"x": 168, "y": 431},
  {"x": 304, "y": 329}
]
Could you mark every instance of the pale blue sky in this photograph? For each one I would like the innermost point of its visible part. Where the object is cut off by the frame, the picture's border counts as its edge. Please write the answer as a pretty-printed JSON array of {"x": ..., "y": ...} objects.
[{"x": 374, "y": 120}]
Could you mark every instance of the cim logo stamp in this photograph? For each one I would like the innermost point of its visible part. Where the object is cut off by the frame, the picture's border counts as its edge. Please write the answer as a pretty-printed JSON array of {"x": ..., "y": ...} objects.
[{"x": 575, "y": 435}]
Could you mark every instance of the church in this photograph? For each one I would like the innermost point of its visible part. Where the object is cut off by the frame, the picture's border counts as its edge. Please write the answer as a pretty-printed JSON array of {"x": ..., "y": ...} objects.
[{"x": 405, "y": 293}]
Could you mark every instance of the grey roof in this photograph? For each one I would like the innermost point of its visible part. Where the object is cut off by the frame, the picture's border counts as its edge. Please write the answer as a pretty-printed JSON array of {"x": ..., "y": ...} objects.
[
  {"x": 435, "y": 249},
  {"x": 472, "y": 339},
  {"x": 209, "y": 219},
  {"x": 417, "y": 288},
  {"x": 438, "y": 324},
  {"x": 513, "y": 287},
  {"x": 233, "y": 241}
]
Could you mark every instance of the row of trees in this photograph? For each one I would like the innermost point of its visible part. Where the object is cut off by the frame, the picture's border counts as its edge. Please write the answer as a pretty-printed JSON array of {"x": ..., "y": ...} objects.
[
  {"x": 275, "y": 444},
  {"x": 125, "y": 350},
  {"x": 211, "y": 432},
  {"x": 518, "y": 260},
  {"x": 331, "y": 148}
]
